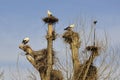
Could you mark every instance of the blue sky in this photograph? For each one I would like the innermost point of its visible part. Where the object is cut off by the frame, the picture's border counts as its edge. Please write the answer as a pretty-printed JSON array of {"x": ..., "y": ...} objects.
[{"x": 21, "y": 18}]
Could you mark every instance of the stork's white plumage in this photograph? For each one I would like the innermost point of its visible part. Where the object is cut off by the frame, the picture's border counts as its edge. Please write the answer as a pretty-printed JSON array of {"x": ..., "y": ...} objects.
[
  {"x": 49, "y": 13},
  {"x": 25, "y": 40},
  {"x": 70, "y": 27}
]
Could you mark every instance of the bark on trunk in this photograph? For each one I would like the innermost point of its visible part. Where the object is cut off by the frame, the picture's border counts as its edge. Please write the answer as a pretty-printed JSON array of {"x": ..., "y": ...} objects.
[{"x": 49, "y": 48}]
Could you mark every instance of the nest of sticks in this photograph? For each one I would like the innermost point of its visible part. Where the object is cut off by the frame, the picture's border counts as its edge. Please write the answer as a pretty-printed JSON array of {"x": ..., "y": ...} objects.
[
  {"x": 91, "y": 74},
  {"x": 70, "y": 36},
  {"x": 41, "y": 64},
  {"x": 41, "y": 59},
  {"x": 56, "y": 75},
  {"x": 92, "y": 48},
  {"x": 50, "y": 20}
]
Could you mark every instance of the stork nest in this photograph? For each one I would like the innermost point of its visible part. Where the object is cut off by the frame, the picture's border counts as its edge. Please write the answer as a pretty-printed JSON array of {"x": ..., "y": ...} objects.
[
  {"x": 56, "y": 75},
  {"x": 50, "y": 20},
  {"x": 41, "y": 59},
  {"x": 92, "y": 48},
  {"x": 70, "y": 36},
  {"x": 91, "y": 74}
]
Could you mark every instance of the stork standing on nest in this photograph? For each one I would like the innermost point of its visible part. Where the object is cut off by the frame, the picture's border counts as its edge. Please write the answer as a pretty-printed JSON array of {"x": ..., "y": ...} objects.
[
  {"x": 70, "y": 27},
  {"x": 49, "y": 13},
  {"x": 25, "y": 40}
]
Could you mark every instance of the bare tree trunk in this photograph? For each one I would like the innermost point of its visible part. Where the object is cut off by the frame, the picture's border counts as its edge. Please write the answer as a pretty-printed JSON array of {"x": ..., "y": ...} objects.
[
  {"x": 88, "y": 65},
  {"x": 75, "y": 60},
  {"x": 42, "y": 75},
  {"x": 72, "y": 38},
  {"x": 86, "y": 68},
  {"x": 49, "y": 48}
]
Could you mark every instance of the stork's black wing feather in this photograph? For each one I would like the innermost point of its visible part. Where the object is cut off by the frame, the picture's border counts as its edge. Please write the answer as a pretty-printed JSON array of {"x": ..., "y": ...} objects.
[{"x": 67, "y": 28}]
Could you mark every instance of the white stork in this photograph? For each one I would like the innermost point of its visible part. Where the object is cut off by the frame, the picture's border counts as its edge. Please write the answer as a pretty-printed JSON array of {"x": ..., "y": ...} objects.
[
  {"x": 70, "y": 27},
  {"x": 49, "y": 13},
  {"x": 25, "y": 40}
]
